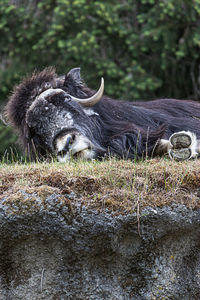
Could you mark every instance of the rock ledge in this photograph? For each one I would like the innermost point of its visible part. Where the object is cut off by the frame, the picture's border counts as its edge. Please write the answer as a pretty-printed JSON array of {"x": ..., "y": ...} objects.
[{"x": 56, "y": 251}]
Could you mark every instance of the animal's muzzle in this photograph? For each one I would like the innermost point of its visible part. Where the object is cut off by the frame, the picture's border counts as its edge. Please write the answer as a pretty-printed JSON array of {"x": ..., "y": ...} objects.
[
  {"x": 66, "y": 148},
  {"x": 73, "y": 145}
]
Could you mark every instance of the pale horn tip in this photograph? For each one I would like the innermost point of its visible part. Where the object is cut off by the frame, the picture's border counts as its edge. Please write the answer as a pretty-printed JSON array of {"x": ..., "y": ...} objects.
[{"x": 91, "y": 101}]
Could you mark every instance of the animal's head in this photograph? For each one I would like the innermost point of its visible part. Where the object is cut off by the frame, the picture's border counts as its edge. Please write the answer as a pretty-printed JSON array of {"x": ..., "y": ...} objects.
[{"x": 53, "y": 114}]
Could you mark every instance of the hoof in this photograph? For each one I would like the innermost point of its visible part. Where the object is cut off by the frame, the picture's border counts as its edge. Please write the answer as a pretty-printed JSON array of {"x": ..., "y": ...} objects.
[
  {"x": 180, "y": 140},
  {"x": 180, "y": 154},
  {"x": 183, "y": 146}
]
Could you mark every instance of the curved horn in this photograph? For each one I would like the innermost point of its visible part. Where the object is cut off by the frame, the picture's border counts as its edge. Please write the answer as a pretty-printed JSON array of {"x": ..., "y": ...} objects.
[{"x": 92, "y": 100}]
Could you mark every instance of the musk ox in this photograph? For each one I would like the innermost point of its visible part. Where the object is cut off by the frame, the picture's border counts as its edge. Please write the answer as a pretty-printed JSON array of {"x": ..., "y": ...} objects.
[{"x": 60, "y": 115}]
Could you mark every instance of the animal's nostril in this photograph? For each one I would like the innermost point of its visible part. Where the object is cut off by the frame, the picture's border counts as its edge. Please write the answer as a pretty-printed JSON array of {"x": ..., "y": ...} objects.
[
  {"x": 68, "y": 142},
  {"x": 66, "y": 147},
  {"x": 62, "y": 153}
]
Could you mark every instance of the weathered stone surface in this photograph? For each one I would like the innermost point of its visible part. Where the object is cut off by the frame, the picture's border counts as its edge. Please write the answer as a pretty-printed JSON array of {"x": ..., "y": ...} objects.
[{"x": 52, "y": 250}]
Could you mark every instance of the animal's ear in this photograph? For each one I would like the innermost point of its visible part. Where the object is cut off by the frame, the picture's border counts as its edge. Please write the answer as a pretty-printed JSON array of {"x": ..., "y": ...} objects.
[{"x": 75, "y": 75}]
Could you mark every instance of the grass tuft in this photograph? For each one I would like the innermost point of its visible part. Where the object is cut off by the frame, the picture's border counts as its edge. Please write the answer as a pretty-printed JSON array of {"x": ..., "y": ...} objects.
[{"x": 119, "y": 186}]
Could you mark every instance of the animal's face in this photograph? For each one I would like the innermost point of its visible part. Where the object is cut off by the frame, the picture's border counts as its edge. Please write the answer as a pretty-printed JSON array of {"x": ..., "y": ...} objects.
[{"x": 62, "y": 124}]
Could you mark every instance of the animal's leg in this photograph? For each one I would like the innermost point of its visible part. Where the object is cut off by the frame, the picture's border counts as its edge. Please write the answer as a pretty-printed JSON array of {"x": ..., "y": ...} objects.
[
  {"x": 162, "y": 147},
  {"x": 184, "y": 146}
]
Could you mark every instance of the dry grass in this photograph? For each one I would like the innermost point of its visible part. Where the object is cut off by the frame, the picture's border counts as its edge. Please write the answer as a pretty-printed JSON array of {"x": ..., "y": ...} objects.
[{"x": 118, "y": 185}]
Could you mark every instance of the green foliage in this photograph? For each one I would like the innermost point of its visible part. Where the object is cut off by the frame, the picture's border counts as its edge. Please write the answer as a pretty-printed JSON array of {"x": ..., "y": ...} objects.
[{"x": 144, "y": 49}]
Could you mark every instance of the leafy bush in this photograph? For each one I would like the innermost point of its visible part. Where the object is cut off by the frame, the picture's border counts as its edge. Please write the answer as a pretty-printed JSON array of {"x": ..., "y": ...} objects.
[
  {"x": 144, "y": 49},
  {"x": 8, "y": 148}
]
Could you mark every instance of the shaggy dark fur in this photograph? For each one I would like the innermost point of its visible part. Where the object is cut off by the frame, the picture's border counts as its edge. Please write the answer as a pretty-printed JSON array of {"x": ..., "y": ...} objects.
[
  {"x": 125, "y": 129},
  {"x": 22, "y": 97}
]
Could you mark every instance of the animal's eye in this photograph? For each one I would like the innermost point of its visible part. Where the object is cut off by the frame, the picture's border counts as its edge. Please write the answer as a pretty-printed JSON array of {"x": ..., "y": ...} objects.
[{"x": 67, "y": 98}]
